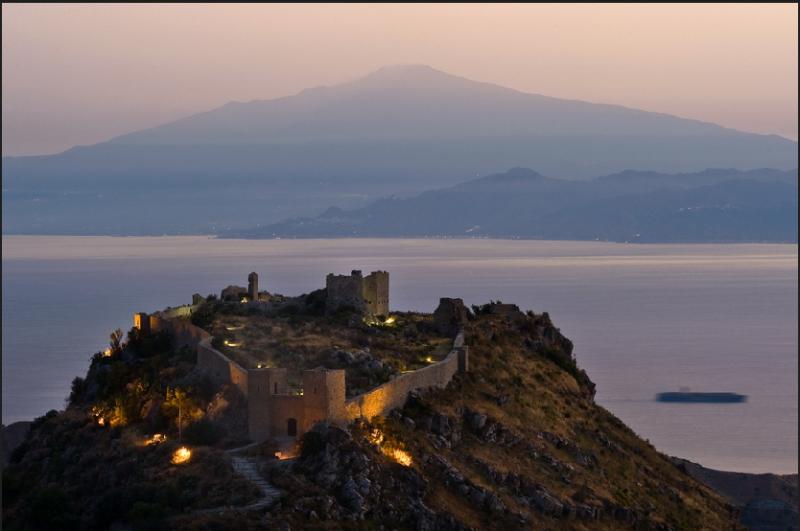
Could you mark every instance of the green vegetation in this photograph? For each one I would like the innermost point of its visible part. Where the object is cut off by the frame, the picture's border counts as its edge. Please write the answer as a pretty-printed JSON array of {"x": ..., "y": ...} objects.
[{"x": 91, "y": 466}]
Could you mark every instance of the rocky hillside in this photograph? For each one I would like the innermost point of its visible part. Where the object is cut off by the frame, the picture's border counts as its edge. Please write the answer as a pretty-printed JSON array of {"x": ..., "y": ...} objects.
[
  {"x": 767, "y": 502},
  {"x": 516, "y": 443}
]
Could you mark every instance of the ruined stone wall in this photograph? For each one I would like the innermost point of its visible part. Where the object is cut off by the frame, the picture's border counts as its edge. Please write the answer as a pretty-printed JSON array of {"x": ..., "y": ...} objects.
[
  {"x": 274, "y": 412},
  {"x": 185, "y": 334},
  {"x": 381, "y": 400},
  {"x": 344, "y": 290},
  {"x": 220, "y": 368},
  {"x": 179, "y": 311},
  {"x": 176, "y": 322}
]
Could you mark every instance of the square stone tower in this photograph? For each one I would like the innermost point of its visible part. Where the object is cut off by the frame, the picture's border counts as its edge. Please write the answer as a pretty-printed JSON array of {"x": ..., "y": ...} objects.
[
  {"x": 376, "y": 293},
  {"x": 263, "y": 385},
  {"x": 367, "y": 295},
  {"x": 323, "y": 396}
]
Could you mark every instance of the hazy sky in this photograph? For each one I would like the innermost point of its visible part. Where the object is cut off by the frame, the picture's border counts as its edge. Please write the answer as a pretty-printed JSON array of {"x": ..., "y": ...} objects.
[{"x": 80, "y": 74}]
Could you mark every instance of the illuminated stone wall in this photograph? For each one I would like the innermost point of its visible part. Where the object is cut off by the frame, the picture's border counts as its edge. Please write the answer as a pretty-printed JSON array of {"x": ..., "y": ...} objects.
[
  {"x": 393, "y": 394},
  {"x": 220, "y": 368},
  {"x": 272, "y": 410},
  {"x": 281, "y": 409}
]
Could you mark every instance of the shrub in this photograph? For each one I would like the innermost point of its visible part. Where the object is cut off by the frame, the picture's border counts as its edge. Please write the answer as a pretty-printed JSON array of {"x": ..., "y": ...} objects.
[
  {"x": 311, "y": 444},
  {"x": 76, "y": 391},
  {"x": 315, "y": 301},
  {"x": 562, "y": 360},
  {"x": 148, "y": 516},
  {"x": 50, "y": 508},
  {"x": 202, "y": 433},
  {"x": 204, "y": 315}
]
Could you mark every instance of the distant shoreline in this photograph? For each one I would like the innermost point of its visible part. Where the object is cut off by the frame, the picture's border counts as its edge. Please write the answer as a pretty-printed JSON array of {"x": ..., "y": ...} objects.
[{"x": 434, "y": 238}]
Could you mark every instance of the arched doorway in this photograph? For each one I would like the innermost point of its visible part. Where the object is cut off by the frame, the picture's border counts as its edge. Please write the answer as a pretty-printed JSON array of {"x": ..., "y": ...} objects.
[{"x": 291, "y": 428}]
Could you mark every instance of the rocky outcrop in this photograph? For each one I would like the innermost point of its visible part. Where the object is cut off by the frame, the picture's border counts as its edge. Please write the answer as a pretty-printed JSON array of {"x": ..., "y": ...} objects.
[
  {"x": 354, "y": 482},
  {"x": 13, "y": 436},
  {"x": 450, "y": 316}
]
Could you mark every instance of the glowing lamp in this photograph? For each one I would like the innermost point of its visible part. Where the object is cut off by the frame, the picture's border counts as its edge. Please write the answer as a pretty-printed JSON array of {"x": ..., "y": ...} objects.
[{"x": 181, "y": 455}]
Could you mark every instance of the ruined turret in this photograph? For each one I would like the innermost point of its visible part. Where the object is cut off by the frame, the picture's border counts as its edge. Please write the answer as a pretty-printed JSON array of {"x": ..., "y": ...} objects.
[
  {"x": 252, "y": 286},
  {"x": 368, "y": 295},
  {"x": 450, "y": 316}
]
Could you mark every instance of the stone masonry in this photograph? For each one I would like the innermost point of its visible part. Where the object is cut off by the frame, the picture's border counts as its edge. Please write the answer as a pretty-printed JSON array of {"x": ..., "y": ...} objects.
[
  {"x": 275, "y": 410},
  {"x": 367, "y": 295}
]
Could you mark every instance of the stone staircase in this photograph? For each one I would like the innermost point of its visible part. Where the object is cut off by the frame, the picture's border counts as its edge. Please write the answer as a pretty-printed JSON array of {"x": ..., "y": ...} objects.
[{"x": 247, "y": 467}]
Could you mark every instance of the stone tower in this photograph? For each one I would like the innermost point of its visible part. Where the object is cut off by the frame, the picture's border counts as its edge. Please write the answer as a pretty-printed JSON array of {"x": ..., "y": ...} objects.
[
  {"x": 323, "y": 396},
  {"x": 141, "y": 321},
  {"x": 252, "y": 286},
  {"x": 375, "y": 291},
  {"x": 265, "y": 387},
  {"x": 367, "y": 295}
]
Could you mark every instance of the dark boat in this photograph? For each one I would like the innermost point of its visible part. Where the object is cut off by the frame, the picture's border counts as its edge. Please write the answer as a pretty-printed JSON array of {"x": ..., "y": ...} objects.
[{"x": 706, "y": 398}]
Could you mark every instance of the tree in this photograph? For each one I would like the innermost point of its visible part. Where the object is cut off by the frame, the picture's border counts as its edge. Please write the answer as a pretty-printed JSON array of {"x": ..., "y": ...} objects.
[
  {"x": 177, "y": 399},
  {"x": 116, "y": 341}
]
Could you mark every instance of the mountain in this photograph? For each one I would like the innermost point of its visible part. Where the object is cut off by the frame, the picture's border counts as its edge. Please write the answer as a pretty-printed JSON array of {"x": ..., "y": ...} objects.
[
  {"x": 709, "y": 206},
  {"x": 398, "y": 130}
]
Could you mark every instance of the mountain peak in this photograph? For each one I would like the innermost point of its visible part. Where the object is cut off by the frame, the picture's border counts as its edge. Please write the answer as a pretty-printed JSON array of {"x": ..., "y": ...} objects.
[
  {"x": 517, "y": 174},
  {"x": 419, "y": 76},
  {"x": 409, "y": 69}
]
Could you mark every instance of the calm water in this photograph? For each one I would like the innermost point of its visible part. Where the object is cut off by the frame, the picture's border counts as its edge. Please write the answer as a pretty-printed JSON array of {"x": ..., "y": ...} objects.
[{"x": 644, "y": 319}]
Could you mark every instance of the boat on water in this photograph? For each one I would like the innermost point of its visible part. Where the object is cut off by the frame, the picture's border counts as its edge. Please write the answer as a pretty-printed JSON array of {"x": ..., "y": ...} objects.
[{"x": 695, "y": 397}]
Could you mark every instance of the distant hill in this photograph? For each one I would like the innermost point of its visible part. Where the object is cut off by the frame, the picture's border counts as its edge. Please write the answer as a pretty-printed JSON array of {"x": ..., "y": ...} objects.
[
  {"x": 709, "y": 206},
  {"x": 398, "y": 130},
  {"x": 767, "y": 502}
]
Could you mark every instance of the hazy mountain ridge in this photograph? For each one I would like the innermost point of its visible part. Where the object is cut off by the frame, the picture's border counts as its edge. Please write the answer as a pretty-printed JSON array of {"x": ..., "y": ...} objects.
[
  {"x": 710, "y": 206},
  {"x": 399, "y": 130}
]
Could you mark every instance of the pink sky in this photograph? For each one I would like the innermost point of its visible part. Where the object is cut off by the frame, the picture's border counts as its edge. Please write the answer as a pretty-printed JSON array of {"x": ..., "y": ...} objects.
[{"x": 80, "y": 74}]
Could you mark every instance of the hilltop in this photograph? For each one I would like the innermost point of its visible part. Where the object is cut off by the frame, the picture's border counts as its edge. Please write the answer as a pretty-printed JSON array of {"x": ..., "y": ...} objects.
[
  {"x": 513, "y": 439},
  {"x": 398, "y": 130}
]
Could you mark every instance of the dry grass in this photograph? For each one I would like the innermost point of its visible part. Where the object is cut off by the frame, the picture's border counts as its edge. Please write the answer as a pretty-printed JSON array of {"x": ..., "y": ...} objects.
[{"x": 297, "y": 344}]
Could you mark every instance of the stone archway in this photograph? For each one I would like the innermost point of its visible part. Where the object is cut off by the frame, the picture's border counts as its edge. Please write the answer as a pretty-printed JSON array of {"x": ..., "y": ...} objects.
[{"x": 291, "y": 427}]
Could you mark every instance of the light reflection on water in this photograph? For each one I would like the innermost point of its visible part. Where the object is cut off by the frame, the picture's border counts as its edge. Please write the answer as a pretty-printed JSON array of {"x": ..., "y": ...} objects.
[{"x": 644, "y": 318}]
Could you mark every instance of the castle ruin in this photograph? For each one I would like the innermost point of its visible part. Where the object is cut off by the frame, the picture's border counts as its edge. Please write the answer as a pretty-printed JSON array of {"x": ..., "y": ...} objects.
[
  {"x": 274, "y": 409},
  {"x": 367, "y": 295}
]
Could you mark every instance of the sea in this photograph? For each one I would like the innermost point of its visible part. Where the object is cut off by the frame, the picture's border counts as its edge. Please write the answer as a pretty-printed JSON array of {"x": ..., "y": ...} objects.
[{"x": 644, "y": 318}]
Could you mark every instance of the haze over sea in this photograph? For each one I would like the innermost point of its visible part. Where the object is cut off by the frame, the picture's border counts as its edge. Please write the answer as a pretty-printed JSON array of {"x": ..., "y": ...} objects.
[{"x": 644, "y": 318}]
